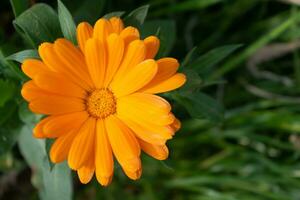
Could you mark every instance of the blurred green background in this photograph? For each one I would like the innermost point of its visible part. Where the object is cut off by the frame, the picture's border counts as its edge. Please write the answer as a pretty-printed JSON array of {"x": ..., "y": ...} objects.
[{"x": 240, "y": 109}]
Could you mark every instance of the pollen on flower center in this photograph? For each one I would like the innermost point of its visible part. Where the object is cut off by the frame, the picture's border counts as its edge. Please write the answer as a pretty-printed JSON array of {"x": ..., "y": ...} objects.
[{"x": 101, "y": 103}]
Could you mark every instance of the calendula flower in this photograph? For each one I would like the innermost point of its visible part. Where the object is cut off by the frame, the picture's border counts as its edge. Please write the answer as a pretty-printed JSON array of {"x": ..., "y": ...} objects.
[{"x": 100, "y": 99}]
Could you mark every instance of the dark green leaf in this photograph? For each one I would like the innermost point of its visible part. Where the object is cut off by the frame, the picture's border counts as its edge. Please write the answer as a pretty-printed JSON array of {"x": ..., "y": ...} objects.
[
  {"x": 189, "y": 57},
  {"x": 193, "y": 80},
  {"x": 7, "y": 111},
  {"x": 9, "y": 126},
  {"x": 200, "y": 105},
  {"x": 19, "y": 6},
  {"x": 114, "y": 14},
  {"x": 166, "y": 30},
  {"x": 38, "y": 24},
  {"x": 89, "y": 10},
  {"x": 23, "y": 55},
  {"x": 187, "y": 5},
  {"x": 137, "y": 17},
  {"x": 10, "y": 69},
  {"x": 213, "y": 57},
  {"x": 67, "y": 23},
  {"x": 7, "y": 90}
]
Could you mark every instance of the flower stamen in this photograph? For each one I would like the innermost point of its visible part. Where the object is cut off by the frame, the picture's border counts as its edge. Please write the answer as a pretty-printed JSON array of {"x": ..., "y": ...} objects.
[{"x": 101, "y": 103}]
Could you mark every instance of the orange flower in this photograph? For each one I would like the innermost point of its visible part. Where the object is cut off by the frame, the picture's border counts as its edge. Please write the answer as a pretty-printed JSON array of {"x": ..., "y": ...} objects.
[{"x": 100, "y": 99}]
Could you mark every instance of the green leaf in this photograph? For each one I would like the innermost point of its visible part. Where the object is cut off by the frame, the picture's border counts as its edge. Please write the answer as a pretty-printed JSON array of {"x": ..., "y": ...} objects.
[
  {"x": 89, "y": 10},
  {"x": 137, "y": 17},
  {"x": 23, "y": 55},
  {"x": 200, "y": 105},
  {"x": 114, "y": 14},
  {"x": 187, "y": 5},
  {"x": 49, "y": 143},
  {"x": 26, "y": 115},
  {"x": 38, "y": 24},
  {"x": 166, "y": 30},
  {"x": 19, "y": 6},
  {"x": 52, "y": 184},
  {"x": 189, "y": 56},
  {"x": 7, "y": 111},
  {"x": 259, "y": 43},
  {"x": 7, "y": 90},
  {"x": 193, "y": 80},
  {"x": 57, "y": 182},
  {"x": 213, "y": 57},
  {"x": 9, "y": 126},
  {"x": 67, "y": 23},
  {"x": 11, "y": 69}
]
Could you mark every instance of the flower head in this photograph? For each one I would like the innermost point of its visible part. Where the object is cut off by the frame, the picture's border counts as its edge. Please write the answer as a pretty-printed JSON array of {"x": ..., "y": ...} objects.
[{"x": 100, "y": 99}]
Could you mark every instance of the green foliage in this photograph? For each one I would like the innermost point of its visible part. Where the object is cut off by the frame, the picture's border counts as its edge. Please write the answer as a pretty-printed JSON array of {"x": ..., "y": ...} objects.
[
  {"x": 88, "y": 10},
  {"x": 9, "y": 69},
  {"x": 38, "y": 24},
  {"x": 114, "y": 14},
  {"x": 211, "y": 58},
  {"x": 52, "y": 184},
  {"x": 23, "y": 55},
  {"x": 67, "y": 23},
  {"x": 188, "y": 5},
  {"x": 9, "y": 127},
  {"x": 19, "y": 6},
  {"x": 7, "y": 91},
  {"x": 239, "y": 107},
  {"x": 137, "y": 17},
  {"x": 200, "y": 105},
  {"x": 165, "y": 30}
]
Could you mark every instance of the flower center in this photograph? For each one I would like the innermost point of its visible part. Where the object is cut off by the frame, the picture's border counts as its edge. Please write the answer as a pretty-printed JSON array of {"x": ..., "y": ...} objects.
[{"x": 101, "y": 103}]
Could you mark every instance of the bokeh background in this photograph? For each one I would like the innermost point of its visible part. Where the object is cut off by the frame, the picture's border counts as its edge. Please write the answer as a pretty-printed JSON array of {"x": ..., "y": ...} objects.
[{"x": 240, "y": 130}]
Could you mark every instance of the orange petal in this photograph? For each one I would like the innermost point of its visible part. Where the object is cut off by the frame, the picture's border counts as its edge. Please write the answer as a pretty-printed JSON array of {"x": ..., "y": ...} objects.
[
  {"x": 32, "y": 67},
  {"x": 135, "y": 174},
  {"x": 104, "y": 158},
  {"x": 144, "y": 133},
  {"x": 124, "y": 144},
  {"x": 31, "y": 91},
  {"x": 86, "y": 172},
  {"x": 38, "y": 129},
  {"x": 115, "y": 48},
  {"x": 130, "y": 34},
  {"x": 152, "y": 46},
  {"x": 84, "y": 32},
  {"x": 116, "y": 24},
  {"x": 57, "y": 84},
  {"x": 167, "y": 67},
  {"x": 104, "y": 181},
  {"x": 54, "y": 62},
  {"x": 151, "y": 108},
  {"x": 83, "y": 145},
  {"x": 176, "y": 125},
  {"x": 58, "y": 125},
  {"x": 73, "y": 60},
  {"x": 135, "y": 78},
  {"x": 102, "y": 29},
  {"x": 50, "y": 104},
  {"x": 159, "y": 152},
  {"x": 170, "y": 84},
  {"x": 96, "y": 58},
  {"x": 60, "y": 148},
  {"x": 133, "y": 55}
]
